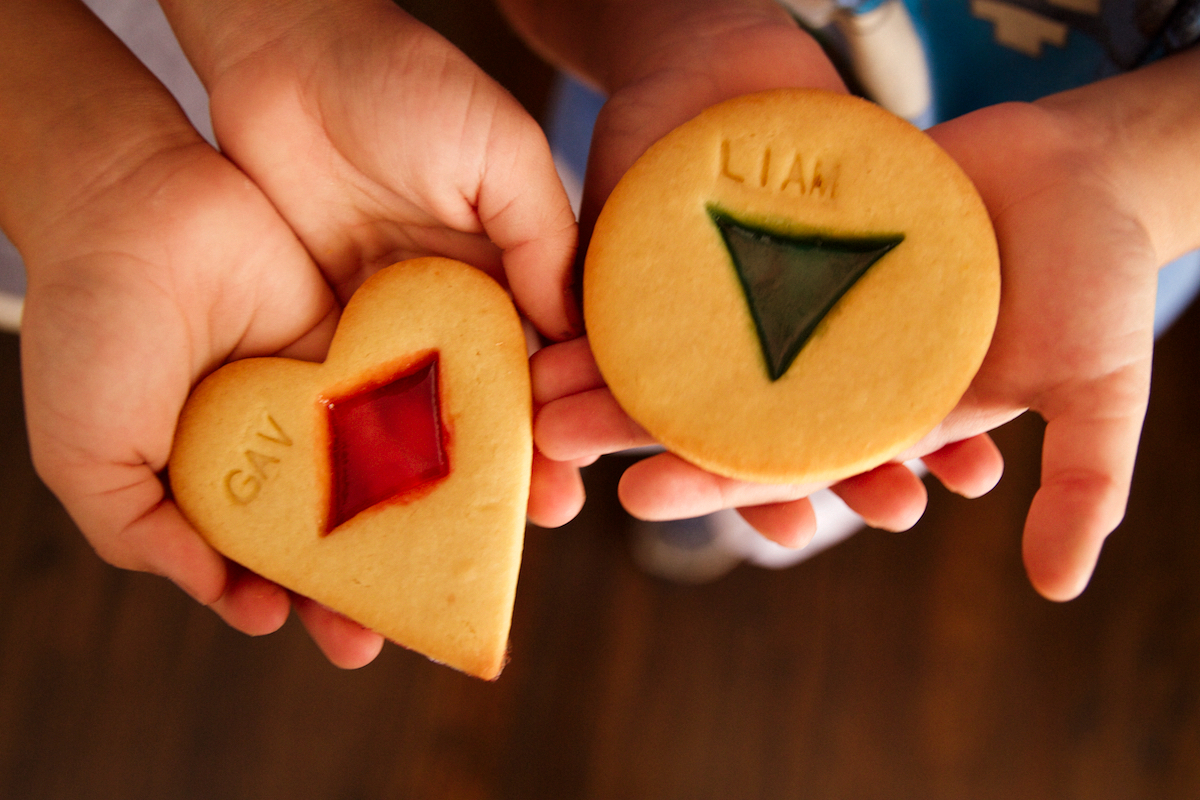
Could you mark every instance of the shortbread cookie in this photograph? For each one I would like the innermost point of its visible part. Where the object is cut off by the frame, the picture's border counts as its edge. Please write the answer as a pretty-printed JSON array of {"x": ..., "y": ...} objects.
[
  {"x": 793, "y": 287},
  {"x": 388, "y": 483}
]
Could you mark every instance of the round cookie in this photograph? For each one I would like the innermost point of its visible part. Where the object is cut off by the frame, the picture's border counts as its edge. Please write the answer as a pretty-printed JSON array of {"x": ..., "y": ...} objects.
[{"x": 792, "y": 287}]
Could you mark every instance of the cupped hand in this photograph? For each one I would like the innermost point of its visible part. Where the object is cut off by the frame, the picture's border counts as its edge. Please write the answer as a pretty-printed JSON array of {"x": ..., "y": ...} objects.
[
  {"x": 170, "y": 264},
  {"x": 1075, "y": 333},
  {"x": 716, "y": 57},
  {"x": 579, "y": 420},
  {"x": 378, "y": 140}
]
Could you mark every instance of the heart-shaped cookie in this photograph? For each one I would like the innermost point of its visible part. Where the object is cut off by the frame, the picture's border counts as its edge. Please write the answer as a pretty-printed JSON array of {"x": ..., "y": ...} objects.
[{"x": 389, "y": 482}]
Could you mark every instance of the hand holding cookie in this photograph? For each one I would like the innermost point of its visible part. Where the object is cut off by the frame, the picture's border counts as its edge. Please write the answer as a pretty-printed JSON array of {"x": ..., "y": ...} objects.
[
  {"x": 1075, "y": 335},
  {"x": 721, "y": 276},
  {"x": 662, "y": 65},
  {"x": 150, "y": 260},
  {"x": 389, "y": 482},
  {"x": 153, "y": 258}
]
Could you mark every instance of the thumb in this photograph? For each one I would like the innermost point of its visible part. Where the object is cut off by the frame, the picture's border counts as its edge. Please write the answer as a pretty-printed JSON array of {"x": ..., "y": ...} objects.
[{"x": 525, "y": 211}]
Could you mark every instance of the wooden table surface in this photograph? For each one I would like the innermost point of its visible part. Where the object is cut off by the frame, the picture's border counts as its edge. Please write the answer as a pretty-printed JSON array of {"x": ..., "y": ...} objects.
[{"x": 918, "y": 665}]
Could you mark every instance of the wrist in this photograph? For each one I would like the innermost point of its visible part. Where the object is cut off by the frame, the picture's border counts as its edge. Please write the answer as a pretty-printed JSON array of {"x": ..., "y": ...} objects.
[
  {"x": 1140, "y": 131},
  {"x": 219, "y": 34},
  {"x": 80, "y": 113},
  {"x": 746, "y": 45},
  {"x": 742, "y": 48}
]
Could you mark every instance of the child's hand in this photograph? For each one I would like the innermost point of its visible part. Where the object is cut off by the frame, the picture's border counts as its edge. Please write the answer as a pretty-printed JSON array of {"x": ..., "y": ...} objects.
[
  {"x": 378, "y": 140},
  {"x": 705, "y": 55},
  {"x": 579, "y": 420},
  {"x": 150, "y": 260},
  {"x": 1090, "y": 191},
  {"x": 1075, "y": 333},
  {"x": 168, "y": 267}
]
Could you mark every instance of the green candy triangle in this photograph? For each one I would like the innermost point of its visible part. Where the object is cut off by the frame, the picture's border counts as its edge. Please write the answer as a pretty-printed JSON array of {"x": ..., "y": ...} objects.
[{"x": 792, "y": 281}]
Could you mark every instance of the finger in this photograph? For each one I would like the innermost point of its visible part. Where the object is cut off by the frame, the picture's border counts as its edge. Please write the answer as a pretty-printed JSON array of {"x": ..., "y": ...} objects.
[
  {"x": 251, "y": 603},
  {"x": 131, "y": 526},
  {"x": 556, "y": 492},
  {"x": 1087, "y": 468},
  {"x": 586, "y": 425},
  {"x": 162, "y": 542},
  {"x": 665, "y": 487},
  {"x": 971, "y": 467},
  {"x": 889, "y": 497},
  {"x": 563, "y": 369},
  {"x": 344, "y": 642},
  {"x": 525, "y": 211},
  {"x": 791, "y": 524}
]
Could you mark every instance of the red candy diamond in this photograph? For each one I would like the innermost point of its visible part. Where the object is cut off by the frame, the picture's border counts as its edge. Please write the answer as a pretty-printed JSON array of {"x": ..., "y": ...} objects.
[{"x": 386, "y": 442}]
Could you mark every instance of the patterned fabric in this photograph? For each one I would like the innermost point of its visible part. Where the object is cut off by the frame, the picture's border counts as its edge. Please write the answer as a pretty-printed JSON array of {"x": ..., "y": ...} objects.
[
  {"x": 987, "y": 51},
  {"x": 980, "y": 52}
]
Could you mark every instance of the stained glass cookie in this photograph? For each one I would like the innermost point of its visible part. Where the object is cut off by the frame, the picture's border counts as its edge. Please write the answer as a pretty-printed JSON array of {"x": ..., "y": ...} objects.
[
  {"x": 389, "y": 482},
  {"x": 793, "y": 287}
]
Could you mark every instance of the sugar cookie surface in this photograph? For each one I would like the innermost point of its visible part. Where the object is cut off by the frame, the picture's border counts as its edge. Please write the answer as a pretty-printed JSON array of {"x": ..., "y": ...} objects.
[
  {"x": 794, "y": 286},
  {"x": 389, "y": 482}
]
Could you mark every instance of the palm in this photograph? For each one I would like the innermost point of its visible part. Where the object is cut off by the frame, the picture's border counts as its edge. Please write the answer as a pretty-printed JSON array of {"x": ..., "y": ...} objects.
[
  {"x": 123, "y": 316},
  {"x": 397, "y": 146},
  {"x": 1083, "y": 365}
]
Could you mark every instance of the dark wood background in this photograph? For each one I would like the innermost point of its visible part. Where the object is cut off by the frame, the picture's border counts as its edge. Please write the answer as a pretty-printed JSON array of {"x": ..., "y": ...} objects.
[{"x": 918, "y": 665}]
